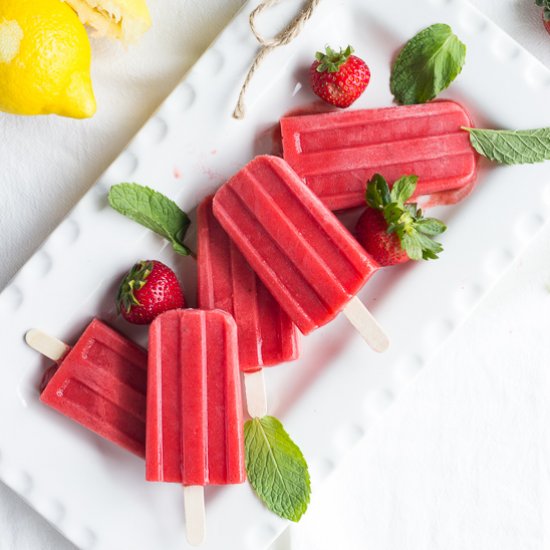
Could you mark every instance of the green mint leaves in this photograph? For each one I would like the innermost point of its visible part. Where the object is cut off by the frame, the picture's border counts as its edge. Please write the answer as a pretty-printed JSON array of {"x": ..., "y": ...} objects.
[
  {"x": 276, "y": 468},
  {"x": 512, "y": 147},
  {"x": 404, "y": 219},
  {"x": 152, "y": 210},
  {"x": 426, "y": 65}
]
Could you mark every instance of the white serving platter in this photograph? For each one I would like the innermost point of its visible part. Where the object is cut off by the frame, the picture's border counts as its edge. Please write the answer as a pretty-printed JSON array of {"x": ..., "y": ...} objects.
[{"x": 95, "y": 493}]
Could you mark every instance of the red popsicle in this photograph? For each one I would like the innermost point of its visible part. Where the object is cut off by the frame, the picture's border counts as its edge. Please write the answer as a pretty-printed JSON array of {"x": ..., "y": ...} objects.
[
  {"x": 194, "y": 407},
  {"x": 100, "y": 383},
  {"x": 337, "y": 153},
  {"x": 266, "y": 334},
  {"x": 306, "y": 258}
]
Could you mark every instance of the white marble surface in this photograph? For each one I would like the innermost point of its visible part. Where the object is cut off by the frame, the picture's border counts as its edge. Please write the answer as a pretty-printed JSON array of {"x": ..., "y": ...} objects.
[{"x": 460, "y": 460}]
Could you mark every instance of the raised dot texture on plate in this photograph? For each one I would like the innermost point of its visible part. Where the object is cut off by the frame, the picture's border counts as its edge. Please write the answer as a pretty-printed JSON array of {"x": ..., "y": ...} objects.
[
  {"x": 320, "y": 468},
  {"x": 10, "y": 299},
  {"x": 153, "y": 132},
  {"x": 472, "y": 21},
  {"x": 407, "y": 368},
  {"x": 84, "y": 538},
  {"x": 438, "y": 331},
  {"x": 528, "y": 225},
  {"x": 347, "y": 436},
  {"x": 65, "y": 235},
  {"x": 121, "y": 169},
  {"x": 504, "y": 47},
  {"x": 468, "y": 295},
  {"x": 497, "y": 261},
  {"x": 378, "y": 401},
  {"x": 182, "y": 98},
  {"x": 260, "y": 536},
  {"x": 39, "y": 265},
  {"x": 19, "y": 480},
  {"x": 211, "y": 63},
  {"x": 50, "y": 509},
  {"x": 537, "y": 75}
]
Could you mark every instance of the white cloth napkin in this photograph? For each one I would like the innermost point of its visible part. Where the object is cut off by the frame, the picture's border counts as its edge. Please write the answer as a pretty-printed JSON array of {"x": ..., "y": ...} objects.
[{"x": 460, "y": 461}]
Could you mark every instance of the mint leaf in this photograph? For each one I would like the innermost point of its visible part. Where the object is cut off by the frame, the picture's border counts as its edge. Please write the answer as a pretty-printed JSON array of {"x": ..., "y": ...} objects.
[
  {"x": 427, "y": 64},
  {"x": 152, "y": 210},
  {"x": 276, "y": 468},
  {"x": 403, "y": 189},
  {"x": 512, "y": 146}
]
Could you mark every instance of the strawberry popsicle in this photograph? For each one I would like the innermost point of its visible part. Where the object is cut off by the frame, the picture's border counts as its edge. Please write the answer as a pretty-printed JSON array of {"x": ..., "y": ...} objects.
[
  {"x": 301, "y": 252},
  {"x": 337, "y": 153},
  {"x": 266, "y": 334},
  {"x": 194, "y": 407},
  {"x": 99, "y": 383}
]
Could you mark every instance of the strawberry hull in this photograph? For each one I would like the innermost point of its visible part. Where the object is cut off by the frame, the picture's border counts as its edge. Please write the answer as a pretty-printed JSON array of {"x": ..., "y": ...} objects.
[{"x": 337, "y": 153}]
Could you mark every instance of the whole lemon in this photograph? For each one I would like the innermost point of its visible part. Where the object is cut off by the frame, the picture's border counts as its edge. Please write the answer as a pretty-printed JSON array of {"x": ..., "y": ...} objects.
[{"x": 45, "y": 59}]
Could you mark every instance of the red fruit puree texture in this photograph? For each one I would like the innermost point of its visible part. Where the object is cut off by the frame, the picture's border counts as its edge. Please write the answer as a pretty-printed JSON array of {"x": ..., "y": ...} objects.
[
  {"x": 194, "y": 406},
  {"x": 266, "y": 335},
  {"x": 101, "y": 383},
  {"x": 301, "y": 252},
  {"x": 337, "y": 153}
]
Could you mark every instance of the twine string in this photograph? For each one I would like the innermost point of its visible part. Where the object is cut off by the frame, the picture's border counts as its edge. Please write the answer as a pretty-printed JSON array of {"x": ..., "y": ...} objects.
[{"x": 287, "y": 35}]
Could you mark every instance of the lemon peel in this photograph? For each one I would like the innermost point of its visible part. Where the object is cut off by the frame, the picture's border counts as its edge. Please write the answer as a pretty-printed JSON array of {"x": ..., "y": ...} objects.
[
  {"x": 125, "y": 20},
  {"x": 45, "y": 59},
  {"x": 11, "y": 35}
]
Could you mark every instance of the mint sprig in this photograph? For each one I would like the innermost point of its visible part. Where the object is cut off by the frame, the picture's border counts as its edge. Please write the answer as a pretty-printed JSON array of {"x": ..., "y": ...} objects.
[
  {"x": 276, "y": 468},
  {"x": 427, "y": 65},
  {"x": 152, "y": 210},
  {"x": 406, "y": 220},
  {"x": 512, "y": 146}
]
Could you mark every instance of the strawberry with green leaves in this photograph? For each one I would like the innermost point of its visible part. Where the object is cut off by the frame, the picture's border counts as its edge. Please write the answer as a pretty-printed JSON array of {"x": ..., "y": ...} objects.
[
  {"x": 148, "y": 289},
  {"x": 339, "y": 78},
  {"x": 545, "y": 4},
  {"x": 393, "y": 231}
]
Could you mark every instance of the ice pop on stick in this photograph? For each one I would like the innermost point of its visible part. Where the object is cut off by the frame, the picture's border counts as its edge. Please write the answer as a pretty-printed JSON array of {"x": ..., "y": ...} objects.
[
  {"x": 305, "y": 257},
  {"x": 266, "y": 335},
  {"x": 337, "y": 153},
  {"x": 100, "y": 383},
  {"x": 194, "y": 407}
]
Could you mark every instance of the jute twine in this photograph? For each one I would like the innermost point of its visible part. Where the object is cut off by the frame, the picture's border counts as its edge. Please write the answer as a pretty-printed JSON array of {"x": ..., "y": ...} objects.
[{"x": 287, "y": 35}]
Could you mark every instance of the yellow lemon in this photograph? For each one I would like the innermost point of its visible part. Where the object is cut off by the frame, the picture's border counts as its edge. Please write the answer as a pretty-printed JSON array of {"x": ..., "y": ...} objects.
[
  {"x": 45, "y": 59},
  {"x": 126, "y": 20}
]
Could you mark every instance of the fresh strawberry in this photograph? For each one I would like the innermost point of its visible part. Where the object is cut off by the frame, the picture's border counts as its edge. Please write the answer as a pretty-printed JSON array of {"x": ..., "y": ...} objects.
[
  {"x": 339, "y": 78},
  {"x": 372, "y": 232},
  {"x": 148, "y": 289},
  {"x": 393, "y": 231},
  {"x": 545, "y": 4}
]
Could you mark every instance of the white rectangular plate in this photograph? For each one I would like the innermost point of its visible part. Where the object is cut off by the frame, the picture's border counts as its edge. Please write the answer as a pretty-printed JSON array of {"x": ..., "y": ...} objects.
[{"x": 95, "y": 493}]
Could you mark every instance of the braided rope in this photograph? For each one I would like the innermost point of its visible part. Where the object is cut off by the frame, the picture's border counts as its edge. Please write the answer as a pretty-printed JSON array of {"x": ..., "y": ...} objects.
[{"x": 287, "y": 35}]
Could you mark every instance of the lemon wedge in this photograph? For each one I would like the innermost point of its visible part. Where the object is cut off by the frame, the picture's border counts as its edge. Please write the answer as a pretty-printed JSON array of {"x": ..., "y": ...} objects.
[
  {"x": 125, "y": 20},
  {"x": 45, "y": 59}
]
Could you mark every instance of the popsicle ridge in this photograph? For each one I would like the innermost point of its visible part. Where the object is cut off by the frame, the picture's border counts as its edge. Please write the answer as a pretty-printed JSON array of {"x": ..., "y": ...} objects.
[
  {"x": 336, "y": 153},
  {"x": 226, "y": 281},
  {"x": 194, "y": 414},
  {"x": 258, "y": 246},
  {"x": 274, "y": 219}
]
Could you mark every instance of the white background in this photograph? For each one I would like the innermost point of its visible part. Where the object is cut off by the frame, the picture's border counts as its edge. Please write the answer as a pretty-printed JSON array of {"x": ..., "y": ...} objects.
[{"x": 461, "y": 460}]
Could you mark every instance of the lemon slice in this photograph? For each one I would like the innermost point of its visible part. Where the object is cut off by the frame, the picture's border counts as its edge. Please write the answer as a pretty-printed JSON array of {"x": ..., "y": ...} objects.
[
  {"x": 125, "y": 20},
  {"x": 45, "y": 59}
]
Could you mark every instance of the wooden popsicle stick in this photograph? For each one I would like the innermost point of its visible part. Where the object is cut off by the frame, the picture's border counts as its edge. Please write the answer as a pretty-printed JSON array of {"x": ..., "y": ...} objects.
[
  {"x": 367, "y": 326},
  {"x": 195, "y": 516},
  {"x": 45, "y": 344},
  {"x": 256, "y": 400}
]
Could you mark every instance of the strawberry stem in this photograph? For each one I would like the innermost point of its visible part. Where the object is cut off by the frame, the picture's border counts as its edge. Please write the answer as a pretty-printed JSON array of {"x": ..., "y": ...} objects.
[{"x": 331, "y": 60}]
